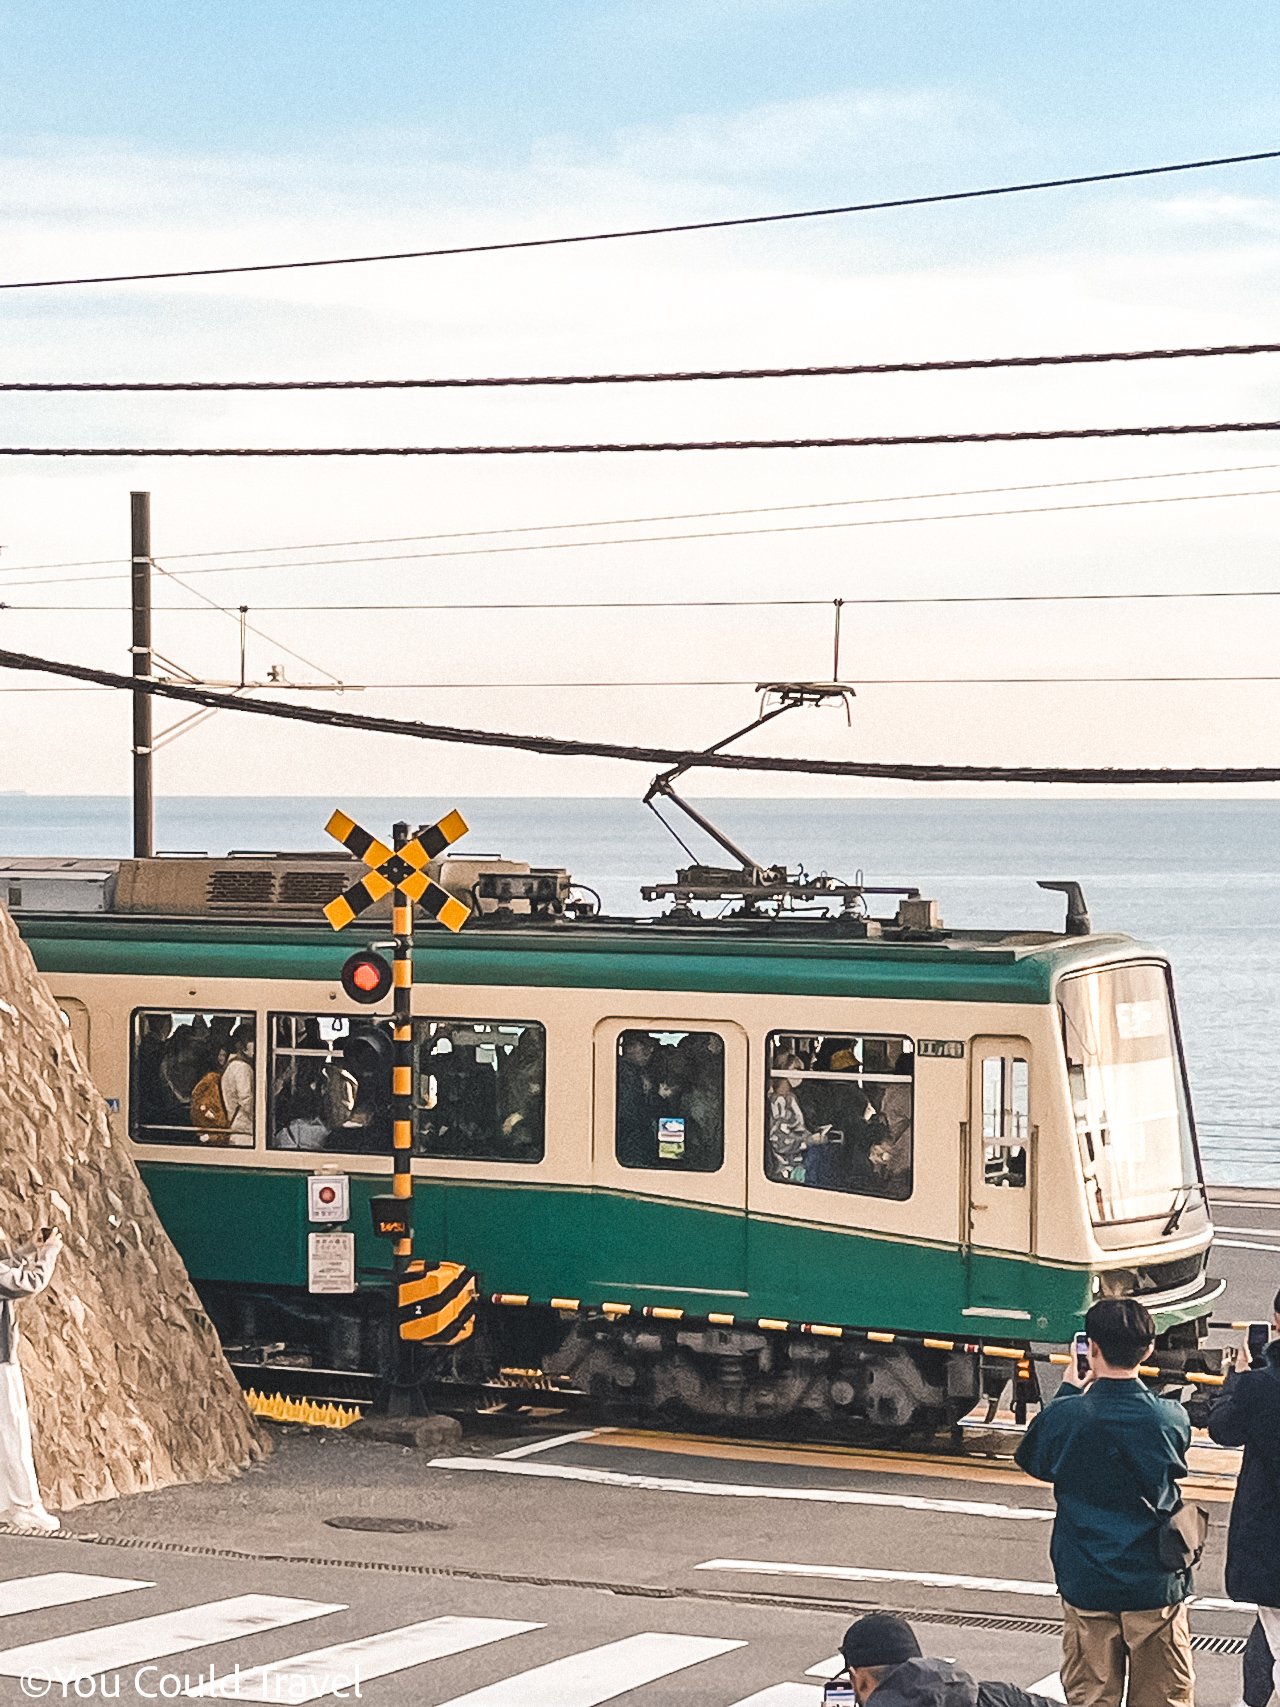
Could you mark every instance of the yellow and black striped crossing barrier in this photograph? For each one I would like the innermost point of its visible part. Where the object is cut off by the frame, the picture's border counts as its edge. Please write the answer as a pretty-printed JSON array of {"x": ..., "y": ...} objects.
[{"x": 439, "y": 1307}]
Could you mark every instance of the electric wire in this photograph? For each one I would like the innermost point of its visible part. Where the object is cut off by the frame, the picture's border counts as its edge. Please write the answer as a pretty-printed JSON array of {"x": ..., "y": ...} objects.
[
  {"x": 697, "y": 604},
  {"x": 679, "y": 516},
  {"x": 564, "y": 747},
  {"x": 859, "y": 682},
  {"x": 599, "y": 448},
  {"x": 652, "y": 230},
  {"x": 958, "y": 365},
  {"x": 642, "y": 539}
]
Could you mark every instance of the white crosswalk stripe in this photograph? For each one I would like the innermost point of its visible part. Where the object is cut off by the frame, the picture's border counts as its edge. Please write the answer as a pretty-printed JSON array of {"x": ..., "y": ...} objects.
[
  {"x": 1050, "y": 1686},
  {"x": 308, "y": 1677},
  {"x": 59, "y": 1588},
  {"x": 783, "y": 1695},
  {"x": 92, "y": 1652},
  {"x": 827, "y": 1668},
  {"x": 599, "y": 1674}
]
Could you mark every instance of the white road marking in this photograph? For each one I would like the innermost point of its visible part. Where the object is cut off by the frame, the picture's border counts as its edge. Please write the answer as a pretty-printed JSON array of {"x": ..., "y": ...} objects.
[
  {"x": 1258, "y": 1232},
  {"x": 546, "y": 1445},
  {"x": 59, "y": 1588},
  {"x": 783, "y": 1695},
  {"x": 1050, "y": 1686},
  {"x": 1244, "y": 1245},
  {"x": 857, "y": 1574},
  {"x": 90, "y": 1652},
  {"x": 324, "y": 1671},
  {"x": 828, "y": 1669},
  {"x": 583, "y": 1680},
  {"x": 927, "y": 1579},
  {"x": 741, "y": 1490}
]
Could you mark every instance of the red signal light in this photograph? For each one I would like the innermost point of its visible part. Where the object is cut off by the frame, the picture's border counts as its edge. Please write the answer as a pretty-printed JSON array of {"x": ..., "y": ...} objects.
[{"x": 366, "y": 977}]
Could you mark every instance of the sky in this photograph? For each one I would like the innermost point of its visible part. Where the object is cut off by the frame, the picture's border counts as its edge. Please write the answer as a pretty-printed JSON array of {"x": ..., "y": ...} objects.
[{"x": 141, "y": 136}]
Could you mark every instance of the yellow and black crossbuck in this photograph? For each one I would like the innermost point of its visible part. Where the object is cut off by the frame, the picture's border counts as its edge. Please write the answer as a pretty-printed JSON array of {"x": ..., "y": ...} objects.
[{"x": 397, "y": 868}]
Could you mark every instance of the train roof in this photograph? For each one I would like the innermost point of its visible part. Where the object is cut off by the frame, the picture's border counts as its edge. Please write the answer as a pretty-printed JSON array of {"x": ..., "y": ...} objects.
[{"x": 766, "y": 957}]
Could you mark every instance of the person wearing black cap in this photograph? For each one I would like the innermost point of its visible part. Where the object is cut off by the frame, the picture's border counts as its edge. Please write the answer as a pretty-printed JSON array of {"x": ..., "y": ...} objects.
[{"x": 883, "y": 1659}]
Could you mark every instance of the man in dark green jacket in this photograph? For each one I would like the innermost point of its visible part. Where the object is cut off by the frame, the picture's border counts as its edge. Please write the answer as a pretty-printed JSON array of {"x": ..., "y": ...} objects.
[{"x": 1114, "y": 1453}]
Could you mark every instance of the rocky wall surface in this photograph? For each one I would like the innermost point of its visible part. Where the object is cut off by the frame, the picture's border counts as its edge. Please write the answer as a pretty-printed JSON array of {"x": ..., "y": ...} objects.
[{"x": 128, "y": 1386}]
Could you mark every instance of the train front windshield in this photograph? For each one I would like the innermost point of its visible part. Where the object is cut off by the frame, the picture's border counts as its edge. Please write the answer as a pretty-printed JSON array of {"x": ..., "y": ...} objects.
[{"x": 1128, "y": 1091}]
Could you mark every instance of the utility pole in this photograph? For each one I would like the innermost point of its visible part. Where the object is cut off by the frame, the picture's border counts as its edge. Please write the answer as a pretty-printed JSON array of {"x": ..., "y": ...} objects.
[{"x": 143, "y": 805}]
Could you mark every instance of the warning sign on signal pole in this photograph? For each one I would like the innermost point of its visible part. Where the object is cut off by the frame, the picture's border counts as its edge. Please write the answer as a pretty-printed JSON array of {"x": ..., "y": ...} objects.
[
  {"x": 328, "y": 1197},
  {"x": 331, "y": 1262}
]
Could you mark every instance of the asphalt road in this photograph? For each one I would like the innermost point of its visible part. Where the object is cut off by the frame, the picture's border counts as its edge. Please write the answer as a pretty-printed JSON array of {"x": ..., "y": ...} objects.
[{"x": 547, "y": 1571}]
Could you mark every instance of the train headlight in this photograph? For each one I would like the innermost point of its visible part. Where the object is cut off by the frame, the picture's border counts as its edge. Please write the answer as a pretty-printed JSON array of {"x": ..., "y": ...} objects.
[{"x": 366, "y": 977}]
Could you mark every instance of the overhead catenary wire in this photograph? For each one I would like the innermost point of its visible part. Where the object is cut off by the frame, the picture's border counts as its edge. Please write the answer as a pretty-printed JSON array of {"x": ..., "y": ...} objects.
[
  {"x": 753, "y": 682},
  {"x": 957, "y": 365},
  {"x": 652, "y": 539},
  {"x": 603, "y": 448},
  {"x": 697, "y": 604},
  {"x": 651, "y": 230},
  {"x": 678, "y": 538},
  {"x": 563, "y": 747},
  {"x": 679, "y": 516}
]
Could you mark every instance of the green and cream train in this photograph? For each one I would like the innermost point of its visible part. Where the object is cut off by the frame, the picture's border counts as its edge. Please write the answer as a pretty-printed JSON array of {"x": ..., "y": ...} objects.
[{"x": 680, "y": 1152}]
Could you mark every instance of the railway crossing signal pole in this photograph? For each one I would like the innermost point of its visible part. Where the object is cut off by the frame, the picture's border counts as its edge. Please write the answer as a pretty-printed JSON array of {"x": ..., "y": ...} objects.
[{"x": 399, "y": 871}]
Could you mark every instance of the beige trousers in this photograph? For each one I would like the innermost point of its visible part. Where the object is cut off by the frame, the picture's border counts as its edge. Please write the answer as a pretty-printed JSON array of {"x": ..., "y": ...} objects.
[{"x": 1153, "y": 1647}]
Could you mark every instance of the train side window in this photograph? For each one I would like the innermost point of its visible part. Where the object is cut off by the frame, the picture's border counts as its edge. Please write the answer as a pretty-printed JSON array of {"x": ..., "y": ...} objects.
[
  {"x": 839, "y": 1112},
  {"x": 191, "y": 1078},
  {"x": 1006, "y": 1118},
  {"x": 669, "y": 1108},
  {"x": 481, "y": 1089},
  {"x": 330, "y": 1085}
]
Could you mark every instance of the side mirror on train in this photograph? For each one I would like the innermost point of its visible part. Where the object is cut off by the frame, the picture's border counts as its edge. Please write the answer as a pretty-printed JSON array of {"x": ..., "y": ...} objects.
[{"x": 366, "y": 977}]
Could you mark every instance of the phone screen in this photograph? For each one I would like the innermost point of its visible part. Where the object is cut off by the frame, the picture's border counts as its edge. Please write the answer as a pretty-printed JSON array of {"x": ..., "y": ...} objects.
[
  {"x": 1080, "y": 1347},
  {"x": 1259, "y": 1336}
]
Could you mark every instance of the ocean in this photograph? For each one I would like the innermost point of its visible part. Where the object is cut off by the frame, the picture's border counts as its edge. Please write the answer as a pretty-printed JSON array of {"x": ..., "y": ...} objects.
[{"x": 1200, "y": 880}]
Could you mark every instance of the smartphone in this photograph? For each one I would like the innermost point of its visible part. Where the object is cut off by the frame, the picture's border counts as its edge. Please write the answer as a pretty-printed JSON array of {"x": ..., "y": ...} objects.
[
  {"x": 1080, "y": 1350},
  {"x": 1259, "y": 1339}
]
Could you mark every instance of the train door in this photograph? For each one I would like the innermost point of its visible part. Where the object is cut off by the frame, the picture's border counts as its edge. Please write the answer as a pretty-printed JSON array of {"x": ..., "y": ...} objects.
[
  {"x": 1001, "y": 1150},
  {"x": 669, "y": 1160}
]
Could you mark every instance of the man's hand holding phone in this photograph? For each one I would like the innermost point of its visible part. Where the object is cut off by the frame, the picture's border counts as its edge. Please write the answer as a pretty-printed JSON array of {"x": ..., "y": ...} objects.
[{"x": 1078, "y": 1372}]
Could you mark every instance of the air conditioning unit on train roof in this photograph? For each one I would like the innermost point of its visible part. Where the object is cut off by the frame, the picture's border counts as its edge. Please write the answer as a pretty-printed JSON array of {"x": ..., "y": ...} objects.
[
  {"x": 293, "y": 885},
  {"x": 298, "y": 885}
]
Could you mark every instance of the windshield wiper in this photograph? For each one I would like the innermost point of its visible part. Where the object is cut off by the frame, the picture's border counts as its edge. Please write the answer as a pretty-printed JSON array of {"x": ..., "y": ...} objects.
[{"x": 1179, "y": 1209}]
